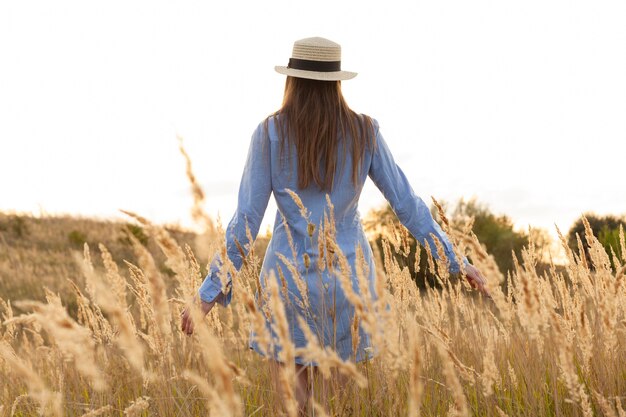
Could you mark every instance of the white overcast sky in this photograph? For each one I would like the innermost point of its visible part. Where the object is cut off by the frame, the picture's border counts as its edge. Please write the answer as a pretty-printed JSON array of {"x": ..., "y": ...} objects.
[{"x": 521, "y": 104}]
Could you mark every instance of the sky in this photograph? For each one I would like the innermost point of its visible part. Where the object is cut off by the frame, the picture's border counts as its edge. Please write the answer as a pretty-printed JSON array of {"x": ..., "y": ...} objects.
[{"x": 519, "y": 104}]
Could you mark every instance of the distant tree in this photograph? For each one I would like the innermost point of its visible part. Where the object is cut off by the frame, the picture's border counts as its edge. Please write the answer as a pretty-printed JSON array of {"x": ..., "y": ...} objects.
[
  {"x": 496, "y": 232},
  {"x": 605, "y": 228}
]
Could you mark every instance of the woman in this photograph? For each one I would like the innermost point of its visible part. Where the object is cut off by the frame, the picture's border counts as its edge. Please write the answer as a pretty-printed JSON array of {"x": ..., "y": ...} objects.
[{"x": 314, "y": 155}]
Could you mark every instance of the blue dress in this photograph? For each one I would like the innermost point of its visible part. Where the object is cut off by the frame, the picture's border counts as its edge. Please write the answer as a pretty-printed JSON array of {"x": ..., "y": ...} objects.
[{"x": 328, "y": 314}]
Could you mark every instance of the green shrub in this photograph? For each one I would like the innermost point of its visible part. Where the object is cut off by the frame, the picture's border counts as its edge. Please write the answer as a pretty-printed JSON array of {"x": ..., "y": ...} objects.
[
  {"x": 137, "y": 232},
  {"x": 77, "y": 238}
]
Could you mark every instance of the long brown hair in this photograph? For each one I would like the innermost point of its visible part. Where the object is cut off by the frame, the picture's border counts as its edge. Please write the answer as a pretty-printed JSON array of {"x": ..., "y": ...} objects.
[{"x": 315, "y": 119}]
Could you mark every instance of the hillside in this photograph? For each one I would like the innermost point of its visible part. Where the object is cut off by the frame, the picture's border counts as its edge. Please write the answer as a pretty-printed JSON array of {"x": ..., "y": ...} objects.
[{"x": 40, "y": 252}]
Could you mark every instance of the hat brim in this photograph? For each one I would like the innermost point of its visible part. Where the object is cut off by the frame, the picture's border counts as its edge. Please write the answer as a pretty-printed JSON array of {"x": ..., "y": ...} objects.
[{"x": 316, "y": 75}]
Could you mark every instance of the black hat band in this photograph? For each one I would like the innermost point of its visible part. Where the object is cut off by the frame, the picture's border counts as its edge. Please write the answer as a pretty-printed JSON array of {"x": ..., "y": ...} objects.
[{"x": 320, "y": 66}]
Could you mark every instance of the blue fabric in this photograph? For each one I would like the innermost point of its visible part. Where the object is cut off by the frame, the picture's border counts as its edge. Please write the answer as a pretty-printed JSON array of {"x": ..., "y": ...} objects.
[{"x": 266, "y": 172}]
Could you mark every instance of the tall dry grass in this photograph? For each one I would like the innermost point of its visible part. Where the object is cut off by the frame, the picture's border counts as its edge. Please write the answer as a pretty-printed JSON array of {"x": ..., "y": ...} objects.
[{"x": 553, "y": 344}]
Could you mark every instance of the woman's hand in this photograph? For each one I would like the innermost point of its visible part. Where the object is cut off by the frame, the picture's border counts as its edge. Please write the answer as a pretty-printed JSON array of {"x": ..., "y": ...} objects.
[
  {"x": 476, "y": 279},
  {"x": 186, "y": 320}
]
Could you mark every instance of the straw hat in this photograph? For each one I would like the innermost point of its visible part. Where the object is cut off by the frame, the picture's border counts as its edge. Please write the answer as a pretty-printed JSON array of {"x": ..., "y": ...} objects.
[{"x": 316, "y": 59}]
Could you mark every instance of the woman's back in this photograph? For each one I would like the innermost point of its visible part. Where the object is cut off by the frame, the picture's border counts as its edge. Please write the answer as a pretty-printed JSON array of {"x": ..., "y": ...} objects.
[{"x": 304, "y": 208}]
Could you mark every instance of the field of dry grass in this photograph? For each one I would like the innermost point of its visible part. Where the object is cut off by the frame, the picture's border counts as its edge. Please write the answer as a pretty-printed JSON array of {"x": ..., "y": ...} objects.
[
  {"x": 96, "y": 335},
  {"x": 90, "y": 326}
]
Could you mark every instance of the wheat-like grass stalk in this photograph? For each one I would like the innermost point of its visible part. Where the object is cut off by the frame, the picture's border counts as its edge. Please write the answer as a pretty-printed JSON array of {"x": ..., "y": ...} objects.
[
  {"x": 197, "y": 211},
  {"x": 98, "y": 411},
  {"x": 459, "y": 406},
  {"x": 218, "y": 366},
  {"x": 415, "y": 383},
  {"x": 51, "y": 402},
  {"x": 137, "y": 407},
  {"x": 73, "y": 340}
]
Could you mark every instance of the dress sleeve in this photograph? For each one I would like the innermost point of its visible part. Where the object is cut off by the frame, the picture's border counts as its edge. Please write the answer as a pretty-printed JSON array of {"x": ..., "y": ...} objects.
[
  {"x": 254, "y": 193},
  {"x": 410, "y": 208}
]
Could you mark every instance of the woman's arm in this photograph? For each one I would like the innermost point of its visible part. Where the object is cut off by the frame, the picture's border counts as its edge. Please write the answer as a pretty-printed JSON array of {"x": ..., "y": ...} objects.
[
  {"x": 410, "y": 208},
  {"x": 254, "y": 193}
]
